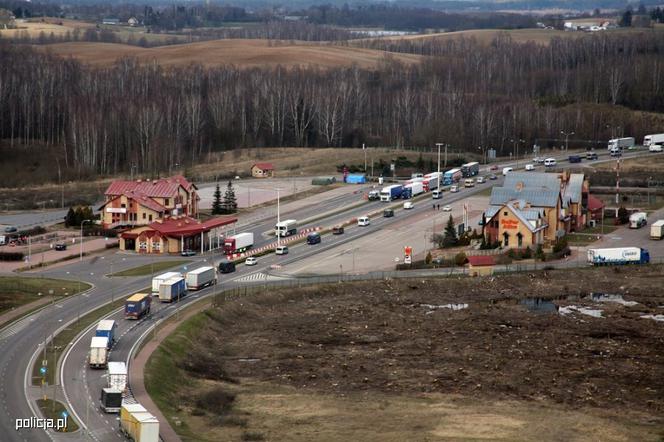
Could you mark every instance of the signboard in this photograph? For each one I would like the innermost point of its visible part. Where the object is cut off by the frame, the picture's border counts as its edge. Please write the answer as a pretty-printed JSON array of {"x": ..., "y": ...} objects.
[
  {"x": 509, "y": 224},
  {"x": 408, "y": 251},
  {"x": 392, "y": 167},
  {"x": 116, "y": 210}
]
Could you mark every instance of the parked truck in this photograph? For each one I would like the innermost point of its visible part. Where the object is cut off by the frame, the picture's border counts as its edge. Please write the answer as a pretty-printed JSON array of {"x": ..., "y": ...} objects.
[
  {"x": 390, "y": 193},
  {"x": 138, "y": 305},
  {"x": 98, "y": 357},
  {"x": 201, "y": 278},
  {"x": 621, "y": 143},
  {"x": 452, "y": 176},
  {"x": 117, "y": 376},
  {"x": 106, "y": 328},
  {"x": 638, "y": 220},
  {"x": 238, "y": 243},
  {"x": 618, "y": 256},
  {"x": 111, "y": 400},
  {"x": 411, "y": 190},
  {"x": 470, "y": 169},
  {"x": 432, "y": 181},
  {"x": 653, "y": 139},
  {"x": 157, "y": 280},
  {"x": 286, "y": 228},
  {"x": 173, "y": 289},
  {"x": 138, "y": 424},
  {"x": 657, "y": 229}
]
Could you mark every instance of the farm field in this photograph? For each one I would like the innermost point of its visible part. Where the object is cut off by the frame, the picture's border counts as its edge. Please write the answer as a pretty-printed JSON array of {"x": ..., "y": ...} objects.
[{"x": 240, "y": 52}]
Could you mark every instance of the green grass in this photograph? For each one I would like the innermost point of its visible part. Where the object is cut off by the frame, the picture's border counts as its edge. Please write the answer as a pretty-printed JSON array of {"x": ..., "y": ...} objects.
[
  {"x": 576, "y": 239},
  {"x": 53, "y": 410},
  {"x": 16, "y": 291},
  {"x": 59, "y": 344},
  {"x": 152, "y": 268},
  {"x": 608, "y": 228}
]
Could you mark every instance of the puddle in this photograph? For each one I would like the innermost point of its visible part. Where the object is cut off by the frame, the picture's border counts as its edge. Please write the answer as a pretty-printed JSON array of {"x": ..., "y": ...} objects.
[
  {"x": 595, "y": 313},
  {"x": 605, "y": 297},
  {"x": 539, "y": 305},
  {"x": 433, "y": 308},
  {"x": 658, "y": 318}
]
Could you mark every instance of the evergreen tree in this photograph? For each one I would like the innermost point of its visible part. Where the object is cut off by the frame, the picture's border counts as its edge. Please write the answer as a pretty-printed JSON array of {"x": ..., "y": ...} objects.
[
  {"x": 450, "y": 239},
  {"x": 626, "y": 20},
  {"x": 70, "y": 218},
  {"x": 216, "y": 202},
  {"x": 230, "y": 202}
]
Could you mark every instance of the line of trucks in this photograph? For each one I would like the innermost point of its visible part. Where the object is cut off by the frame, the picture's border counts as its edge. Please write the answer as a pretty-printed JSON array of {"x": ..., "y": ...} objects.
[{"x": 654, "y": 143}]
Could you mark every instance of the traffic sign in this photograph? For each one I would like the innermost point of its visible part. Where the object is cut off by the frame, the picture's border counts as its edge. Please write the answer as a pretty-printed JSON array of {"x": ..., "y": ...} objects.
[{"x": 42, "y": 370}]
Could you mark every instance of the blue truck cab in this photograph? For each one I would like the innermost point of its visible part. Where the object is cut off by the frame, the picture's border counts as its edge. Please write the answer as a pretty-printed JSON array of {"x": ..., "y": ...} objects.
[{"x": 106, "y": 329}]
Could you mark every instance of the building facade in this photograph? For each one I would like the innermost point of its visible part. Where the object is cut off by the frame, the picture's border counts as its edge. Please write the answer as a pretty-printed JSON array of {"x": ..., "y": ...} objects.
[{"x": 262, "y": 170}]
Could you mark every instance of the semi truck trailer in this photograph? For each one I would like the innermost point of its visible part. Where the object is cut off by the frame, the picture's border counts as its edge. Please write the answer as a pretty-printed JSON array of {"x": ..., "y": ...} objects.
[
  {"x": 618, "y": 256},
  {"x": 138, "y": 305},
  {"x": 621, "y": 143},
  {"x": 657, "y": 229},
  {"x": 390, "y": 193},
  {"x": 157, "y": 280},
  {"x": 286, "y": 228},
  {"x": 238, "y": 243},
  {"x": 638, "y": 220},
  {"x": 200, "y": 278},
  {"x": 106, "y": 328},
  {"x": 98, "y": 356},
  {"x": 653, "y": 139},
  {"x": 138, "y": 424},
  {"x": 111, "y": 400},
  {"x": 173, "y": 289},
  {"x": 411, "y": 190},
  {"x": 117, "y": 376}
]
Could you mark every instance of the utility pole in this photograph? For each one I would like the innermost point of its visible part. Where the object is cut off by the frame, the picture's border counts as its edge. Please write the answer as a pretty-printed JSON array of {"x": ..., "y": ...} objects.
[
  {"x": 438, "y": 175},
  {"x": 446, "y": 145},
  {"x": 618, "y": 182},
  {"x": 365, "y": 158},
  {"x": 278, "y": 220},
  {"x": 566, "y": 134}
]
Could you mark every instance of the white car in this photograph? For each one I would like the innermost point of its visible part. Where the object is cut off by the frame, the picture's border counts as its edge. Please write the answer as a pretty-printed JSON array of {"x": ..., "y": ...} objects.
[
  {"x": 408, "y": 205},
  {"x": 251, "y": 261},
  {"x": 454, "y": 188},
  {"x": 363, "y": 221},
  {"x": 530, "y": 167},
  {"x": 507, "y": 170},
  {"x": 447, "y": 209},
  {"x": 549, "y": 162},
  {"x": 480, "y": 180},
  {"x": 655, "y": 148}
]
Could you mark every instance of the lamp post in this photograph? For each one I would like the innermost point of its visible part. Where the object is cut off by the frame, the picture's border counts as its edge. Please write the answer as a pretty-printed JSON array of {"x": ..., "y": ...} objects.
[
  {"x": 516, "y": 150},
  {"x": 438, "y": 174},
  {"x": 278, "y": 219},
  {"x": 566, "y": 135},
  {"x": 80, "y": 258}
]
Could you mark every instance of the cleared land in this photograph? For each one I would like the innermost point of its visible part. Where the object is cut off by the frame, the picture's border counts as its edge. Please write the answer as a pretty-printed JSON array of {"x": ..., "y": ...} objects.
[
  {"x": 393, "y": 360},
  {"x": 238, "y": 52},
  {"x": 642, "y": 165}
]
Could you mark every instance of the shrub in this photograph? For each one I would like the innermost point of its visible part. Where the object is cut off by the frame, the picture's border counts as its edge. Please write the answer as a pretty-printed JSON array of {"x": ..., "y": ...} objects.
[
  {"x": 428, "y": 258},
  {"x": 460, "y": 259},
  {"x": 623, "y": 216},
  {"x": 11, "y": 256},
  {"x": 527, "y": 253},
  {"x": 217, "y": 401},
  {"x": 511, "y": 253},
  {"x": 539, "y": 253},
  {"x": 560, "y": 245}
]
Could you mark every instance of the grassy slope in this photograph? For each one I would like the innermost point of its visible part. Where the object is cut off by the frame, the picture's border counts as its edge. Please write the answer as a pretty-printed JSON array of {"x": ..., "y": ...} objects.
[{"x": 152, "y": 268}]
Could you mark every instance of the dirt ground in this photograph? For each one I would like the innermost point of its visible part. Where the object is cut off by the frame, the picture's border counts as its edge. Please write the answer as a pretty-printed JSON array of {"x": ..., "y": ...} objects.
[{"x": 437, "y": 359}]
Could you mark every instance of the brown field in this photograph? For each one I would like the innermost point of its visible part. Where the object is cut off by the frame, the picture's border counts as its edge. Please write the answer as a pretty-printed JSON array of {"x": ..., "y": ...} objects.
[
  {"x": 647, "y": 165},
  {"x": 240, "y": 52}
]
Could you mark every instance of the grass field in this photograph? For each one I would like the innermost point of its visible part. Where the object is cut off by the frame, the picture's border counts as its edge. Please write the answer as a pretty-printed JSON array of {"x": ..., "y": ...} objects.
[
  {"x": 152, "y": 268},
  {"x": 16, "y": 291},
  {"x": 239, "y": 52},
  {"x": 53, "y": 410},
  {"x": 655, "y": 165}
]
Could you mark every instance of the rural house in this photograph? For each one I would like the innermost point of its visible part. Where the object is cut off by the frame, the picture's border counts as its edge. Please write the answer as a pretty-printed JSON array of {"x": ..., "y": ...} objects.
[{"x": 262, "y": 170}]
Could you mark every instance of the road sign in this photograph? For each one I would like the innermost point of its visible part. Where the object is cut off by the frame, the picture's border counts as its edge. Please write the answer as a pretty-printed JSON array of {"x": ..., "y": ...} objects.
[
  {"x": 42, "y": 371},
  {"x": 65, "y": 414}
]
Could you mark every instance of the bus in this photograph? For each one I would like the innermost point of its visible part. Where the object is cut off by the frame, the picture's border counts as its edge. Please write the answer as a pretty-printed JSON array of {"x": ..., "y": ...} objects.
[
  {"x": 470, "y": 169},
  {"x": 452, "y": 176}
]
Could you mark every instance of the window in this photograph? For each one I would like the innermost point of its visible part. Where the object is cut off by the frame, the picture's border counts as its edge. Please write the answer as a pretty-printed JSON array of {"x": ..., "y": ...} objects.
[
  {"x": 143, "y": 245},
  {"x": 143, "y": 215},
  {"x": 150, "y": 217},
  {"x": 519, "y": 238},
  {"x": 123, "y": 205},
  {"x": 504, "y": 213},
  {"x": 166, "y": 201},
  {"x": 155, "y": 246},
  {"x": 506, "y": 239}
]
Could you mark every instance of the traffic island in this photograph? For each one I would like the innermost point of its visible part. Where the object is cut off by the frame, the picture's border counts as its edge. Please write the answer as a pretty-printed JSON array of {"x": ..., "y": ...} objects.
[{"x": 58, "y": 413}]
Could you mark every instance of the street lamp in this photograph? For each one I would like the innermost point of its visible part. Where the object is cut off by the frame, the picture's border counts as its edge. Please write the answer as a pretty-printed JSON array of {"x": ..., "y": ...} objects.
[
  {"x": 80, "y": 258},
  {"x": 438, "y": 174},
  {"x": 566, "y": 134},
  {"x": 278, "y": 230},
  {"x": 516, "y": 150}
]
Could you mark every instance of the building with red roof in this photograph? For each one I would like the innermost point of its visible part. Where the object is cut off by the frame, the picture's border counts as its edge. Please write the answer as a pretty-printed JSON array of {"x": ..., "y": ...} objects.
[
  {"x": 481, "y": 265},
  {"x": 262, "y": 170},
  {"x": 141, "y": 202}
]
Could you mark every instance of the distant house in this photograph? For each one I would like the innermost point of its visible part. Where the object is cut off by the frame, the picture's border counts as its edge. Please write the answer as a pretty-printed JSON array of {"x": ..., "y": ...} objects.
[
  {"x": 480, "y": 265},
  {"x": 110, "y": 21},
  {"x": 262, "y": 170},
  {"x": 133, "y": 21}
]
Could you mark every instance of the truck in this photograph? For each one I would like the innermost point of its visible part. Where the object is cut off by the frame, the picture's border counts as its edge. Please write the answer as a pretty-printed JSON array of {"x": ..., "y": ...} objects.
[
  {"x": 106, "y": 328},
  {"x": 470, "y": 169},
  {"x": 657, "y": 229},
  {"x": 452, "y": 176},
  {"x": 621, "y": 143},
  {"x": 411, "y": 190},
  {"x": 157, "y": 280},
  {"x": 286, "y": 228},
  {"x": 653, "y": 139},
  {"x": 638, "y": 220},
  {"x": 111, "y": 400},
  {"x": 238, "y": 243},
  {"x": 390, "y": 193},
  {"x": 117, "y": 376},
  {"x": 98, "y": 357},
  {"x": 138, "y": 424},
  {"x": 432, "y": 181},
  {"x": 172, "y": 289},
  {"x": 200, "y": 278},
  {"x": 137, "y": 305},
  {"x": 618, "y": 256}
]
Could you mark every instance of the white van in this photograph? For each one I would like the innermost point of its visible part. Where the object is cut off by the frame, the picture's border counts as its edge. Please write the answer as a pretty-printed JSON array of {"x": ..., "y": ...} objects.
[
  {"x": 507, "y": 170},
  {"x": 469, "y": 182},
  {"x": 530, "y": 167},
  {"x": 549, "y": 162},
  {"x": 481, "y": 180},
  {"x": 615, "y": 152},
  {"x": 363, "y": 221},
  {"x": 437, "y": 194},
  {"x": 281, "y": 250},
  {"x": 454, "y": 188},
  {"x": 655, "y": 148}
]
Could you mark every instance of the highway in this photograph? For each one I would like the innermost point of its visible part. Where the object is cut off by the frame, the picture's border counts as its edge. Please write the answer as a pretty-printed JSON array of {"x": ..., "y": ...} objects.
[{"x": 19, "y": 343}]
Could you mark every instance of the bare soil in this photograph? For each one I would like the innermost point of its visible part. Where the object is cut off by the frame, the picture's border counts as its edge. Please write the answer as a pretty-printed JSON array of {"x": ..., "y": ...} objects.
[{"x": 492, "y": 370}]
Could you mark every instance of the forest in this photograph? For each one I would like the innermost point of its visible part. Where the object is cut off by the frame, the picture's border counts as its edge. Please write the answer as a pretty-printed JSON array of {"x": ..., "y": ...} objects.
[{"x": 470, "y": 95}]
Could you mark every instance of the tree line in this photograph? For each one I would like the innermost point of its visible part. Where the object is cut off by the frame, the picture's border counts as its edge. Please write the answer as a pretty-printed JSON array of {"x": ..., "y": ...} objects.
[{"x": 470, "y": 95}]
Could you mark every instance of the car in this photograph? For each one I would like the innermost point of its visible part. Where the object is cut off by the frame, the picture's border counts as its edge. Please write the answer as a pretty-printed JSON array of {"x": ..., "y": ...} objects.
[
  {"x": 538, "y": 160},
  {"x": 337, "y": 230},
  {"x": 655, "y": 148},
  {"x": 480, "y": 180},
  {"x": 549, "y": 162},
  {"x": 227, "y": 267},
  {"x": 574, "y": 158},
  {"x": 251, "y": 261},
  {"x": 313, "y": 238},
  {"x": 591, "y": 155},
  {"x": 408, "y": 205},
  {"x": 281, "y": 250},
  {"x": 188, "y": 252},
  {"x": 494, "y": 167},
  {"x": 60, "y": 246},
  {"x": 437, "y": 194},
  {"x": 363, "y": 221},
  {"x": 447, "y": 209},
  {"x": 507, "y": 170},
  {"x": 454, "y": 188},
  {"x": 530, "y": 167},
  {"x": 615, "y": 152},
  {"x": 11, "y": 229},
  {"x": 493, "y": 177},
  {"x": 388, "y": 213}
]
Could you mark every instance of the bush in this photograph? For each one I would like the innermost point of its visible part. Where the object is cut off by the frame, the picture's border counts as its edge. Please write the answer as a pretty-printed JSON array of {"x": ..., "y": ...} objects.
[
  {"x": 428, "y": 258},
  {"x": 38, "y": 230},
  {"x": 560, "y": 245},
  {"x": 460, "y": 259},
  {"x": 623, "y": 216},
  {"x": 527, "y": 253},
  {"x": 11, "y": 256},
  {"x": 217, "y": 401},
  {"x": 98, "y": 231},
  {"x": 539, "y": 253}
]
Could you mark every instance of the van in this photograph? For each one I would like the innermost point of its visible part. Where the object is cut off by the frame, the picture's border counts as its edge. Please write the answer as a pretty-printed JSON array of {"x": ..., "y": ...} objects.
[
  {"x": 281, "y": 250},
  {"x": 454, "y": 188},
  {"x": 226, "y": 267},
  {"x": 615, "y": 152},
  {"x": 437, "y": 194},
  {"x": 507, "y": 170},
  {"x": 655, "y": 148},
  {"x": 408, "y": 205},
  {"x": 591, "y": 155},
  {"x": 549, "y": 162},
  {"x": 469, "y": 182},
  {"x": 363, "y": 221},
  {"x": 481, "y": 180},
  {"x": 313, "y": 238},
  {"x": 388, "y": 213},
  {"x": 530, "y": 167}
]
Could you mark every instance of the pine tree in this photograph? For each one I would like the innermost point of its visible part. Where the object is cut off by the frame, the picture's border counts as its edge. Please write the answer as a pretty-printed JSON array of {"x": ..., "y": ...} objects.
[
  {"x": 230, "y": 202},
  {"x": 70, "y": 219},
  {"x": 450, "y": 239},
  {"x": 216, "y": 202}
]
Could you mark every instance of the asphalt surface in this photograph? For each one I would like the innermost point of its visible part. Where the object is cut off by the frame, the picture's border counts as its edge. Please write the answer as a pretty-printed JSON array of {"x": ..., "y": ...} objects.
[{"x": 21, "y": 341}]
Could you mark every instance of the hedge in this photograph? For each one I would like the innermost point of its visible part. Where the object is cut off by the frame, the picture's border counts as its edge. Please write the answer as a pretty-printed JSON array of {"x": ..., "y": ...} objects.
[{"x": 11, "y": 256}]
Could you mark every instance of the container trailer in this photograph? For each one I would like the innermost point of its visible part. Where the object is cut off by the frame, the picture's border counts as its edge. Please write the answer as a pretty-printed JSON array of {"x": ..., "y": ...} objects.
[
  {"x": 618, "y": 256},
  {"x": 173, "y": 289},
  {"x": 200, "y": 278},
  {"x": 138, "y": 305}
]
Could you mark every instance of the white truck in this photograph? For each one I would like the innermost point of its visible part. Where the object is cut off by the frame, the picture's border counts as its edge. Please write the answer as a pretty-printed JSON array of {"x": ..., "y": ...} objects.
[
  {"x": 618, "y": 256},
  {"x": 653, "y": 139},
  {"x": 638, "y": 220},
  {"x": 201, "y": 277},
  {"x": 238, "y": 243},
  {"x": 172, "y": 290},
  {"x": 286, "y": 228},
  {"x": 657, "y": 229},
  {"x": 138, "y": 424},
  {"x": 621, "y": 143},
  {"x": 98, "y": 357},
  {"x": 117, "y": 376},
  {"x": 157, "y": 280},
  {"x": 412, "y": 189}
]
